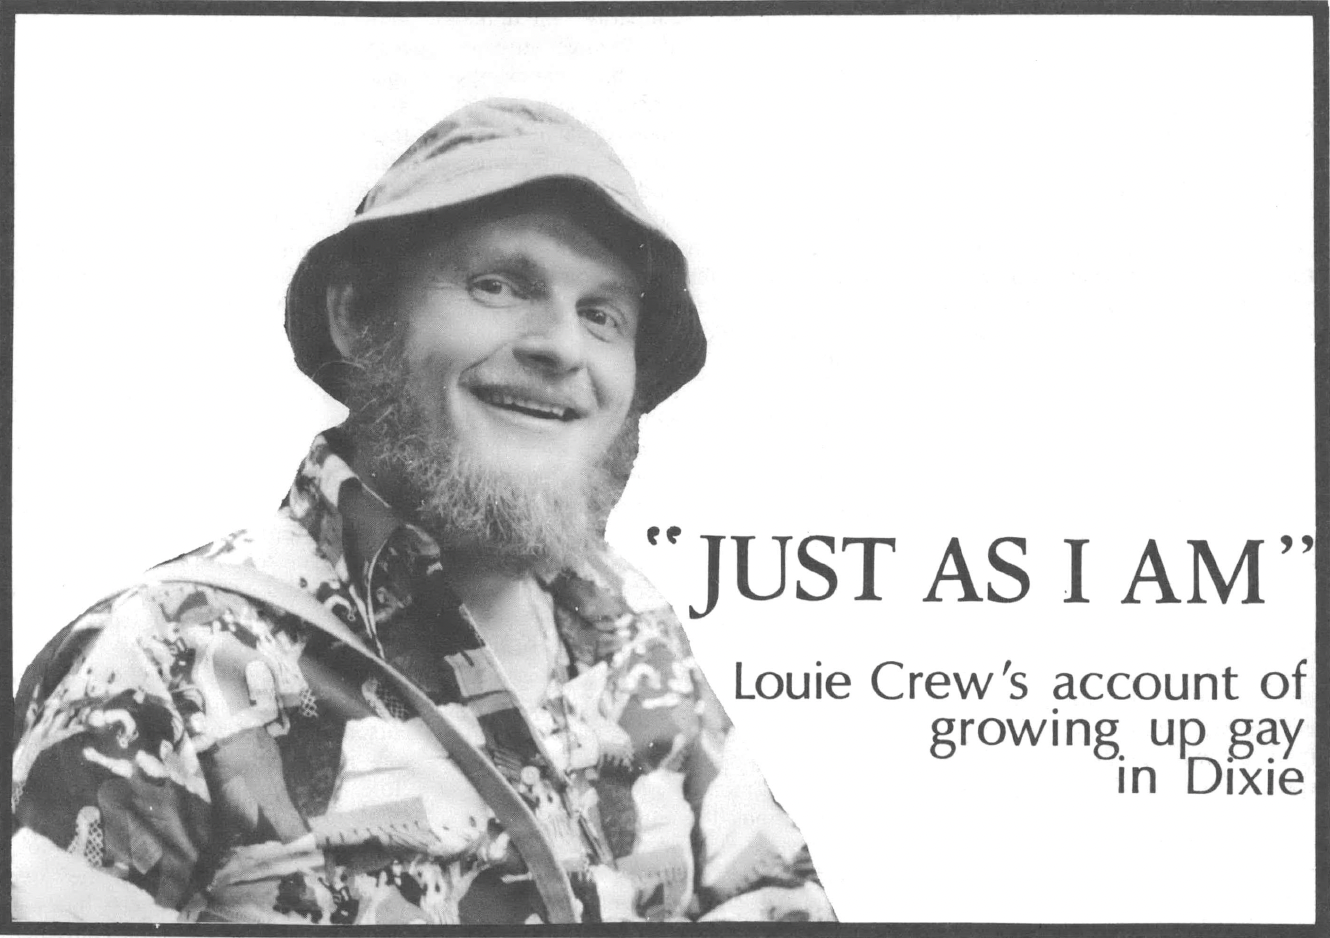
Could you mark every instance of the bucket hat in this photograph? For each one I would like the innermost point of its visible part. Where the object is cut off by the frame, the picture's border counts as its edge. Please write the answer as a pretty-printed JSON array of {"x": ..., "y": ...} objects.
[{"x": 480, "y": 151}]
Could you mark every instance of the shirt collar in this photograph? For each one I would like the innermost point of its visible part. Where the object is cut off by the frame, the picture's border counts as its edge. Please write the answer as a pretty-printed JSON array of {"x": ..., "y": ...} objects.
[{"x": 348, "y": 520}]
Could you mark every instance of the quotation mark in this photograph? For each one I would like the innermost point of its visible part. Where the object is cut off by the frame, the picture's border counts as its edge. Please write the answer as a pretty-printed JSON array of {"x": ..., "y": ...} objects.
[
  {"x": 670, "y": 534},
  {"x": 1288, "y": 543}
]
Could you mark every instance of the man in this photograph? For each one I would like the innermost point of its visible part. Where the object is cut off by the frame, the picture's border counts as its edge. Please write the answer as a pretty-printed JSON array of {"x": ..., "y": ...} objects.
[{"x": 502, "y": 722}]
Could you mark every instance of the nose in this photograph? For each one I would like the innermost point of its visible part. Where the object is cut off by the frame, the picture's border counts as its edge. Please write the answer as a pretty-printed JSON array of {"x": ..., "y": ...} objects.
[{"x": 552, "y": 338}]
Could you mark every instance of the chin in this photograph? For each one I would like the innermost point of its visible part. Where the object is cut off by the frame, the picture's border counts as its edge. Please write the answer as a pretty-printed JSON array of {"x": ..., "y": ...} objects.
[
  {"x": 528, "y": 459},
  {"x": 549, "y": 466}
]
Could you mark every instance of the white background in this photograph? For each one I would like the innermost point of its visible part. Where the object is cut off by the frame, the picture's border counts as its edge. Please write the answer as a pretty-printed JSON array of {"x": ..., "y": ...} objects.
[{"x": 963, "y": 276}]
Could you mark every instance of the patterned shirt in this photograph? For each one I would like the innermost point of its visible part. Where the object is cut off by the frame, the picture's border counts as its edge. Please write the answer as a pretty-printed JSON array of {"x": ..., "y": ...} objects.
[{"x": 189, "y": 752}]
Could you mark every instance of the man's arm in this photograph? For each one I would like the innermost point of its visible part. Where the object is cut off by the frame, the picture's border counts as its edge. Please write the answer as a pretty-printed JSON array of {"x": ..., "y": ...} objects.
[
  {"x": 748, "y": 860},
  {"x": 54, "y": 885},
  {"x": 111, "y": 810},
  {"x": 752, "y": 862}
]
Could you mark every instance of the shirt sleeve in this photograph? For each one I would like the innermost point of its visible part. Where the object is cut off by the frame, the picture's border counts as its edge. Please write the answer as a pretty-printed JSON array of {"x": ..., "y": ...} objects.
[
  {"x": 111, "y": 809},
  {"x": 752, "y": 862},
  {"x": 698, "y": 787}
]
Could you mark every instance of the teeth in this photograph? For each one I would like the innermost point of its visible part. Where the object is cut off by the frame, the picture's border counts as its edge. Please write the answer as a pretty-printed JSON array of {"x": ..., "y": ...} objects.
[{"x": 522, "y": 403}]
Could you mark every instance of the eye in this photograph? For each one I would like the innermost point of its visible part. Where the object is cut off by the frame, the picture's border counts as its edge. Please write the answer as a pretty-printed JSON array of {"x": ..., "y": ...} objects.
[
  {"x": 604, "y": 321},
  {"x": 495, "y": 290},
  {"x": 597, "y": 316}
]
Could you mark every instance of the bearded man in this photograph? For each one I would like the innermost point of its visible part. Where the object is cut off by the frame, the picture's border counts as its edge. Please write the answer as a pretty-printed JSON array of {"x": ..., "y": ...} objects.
[{"x": 427, "y": 691}]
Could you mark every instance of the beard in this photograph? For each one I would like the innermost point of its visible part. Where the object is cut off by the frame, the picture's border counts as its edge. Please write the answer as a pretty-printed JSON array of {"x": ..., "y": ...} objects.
[{"x": 509, "y": 519}]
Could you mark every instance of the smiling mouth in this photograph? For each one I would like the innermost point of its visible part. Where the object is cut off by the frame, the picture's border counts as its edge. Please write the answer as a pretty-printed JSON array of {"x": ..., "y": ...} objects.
[{"x": 523, "y": 403}]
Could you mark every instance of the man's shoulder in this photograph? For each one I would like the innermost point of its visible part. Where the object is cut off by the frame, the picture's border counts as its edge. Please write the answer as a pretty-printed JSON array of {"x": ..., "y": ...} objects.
[
  {"x": 638, "y": 592},
  {"x": 609, "y": 609},
  {"x": 604, "y": 588},
  {"x": 279, "y": 547},
  {"x": 148, "y": 614},
  {"x": 167, "y": 658}
]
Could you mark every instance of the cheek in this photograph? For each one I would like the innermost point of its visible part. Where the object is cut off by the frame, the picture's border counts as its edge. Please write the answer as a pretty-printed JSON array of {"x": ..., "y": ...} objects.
[
  {"x": 441, "y": 344},
  {"x": 617, "y": 381},
  {"x": 433, "y": 369}
]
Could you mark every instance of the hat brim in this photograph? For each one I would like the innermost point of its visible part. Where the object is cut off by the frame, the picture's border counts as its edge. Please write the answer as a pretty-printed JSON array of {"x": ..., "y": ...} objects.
[{"x": 671, "y": 344}]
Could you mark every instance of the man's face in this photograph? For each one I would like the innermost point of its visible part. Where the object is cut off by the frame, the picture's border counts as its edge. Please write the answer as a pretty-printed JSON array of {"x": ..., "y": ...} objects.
[
  {"x": 493, "y": 401},
  {"x": 518, "y": 340}
]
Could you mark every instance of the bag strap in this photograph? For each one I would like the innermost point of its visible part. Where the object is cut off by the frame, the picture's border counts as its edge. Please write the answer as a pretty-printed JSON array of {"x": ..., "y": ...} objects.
[{"x": 512, "y": 812}]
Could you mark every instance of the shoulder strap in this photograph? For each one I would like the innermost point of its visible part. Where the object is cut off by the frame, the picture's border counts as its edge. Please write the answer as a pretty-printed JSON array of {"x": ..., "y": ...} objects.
[{"x": 507, "y": 805}]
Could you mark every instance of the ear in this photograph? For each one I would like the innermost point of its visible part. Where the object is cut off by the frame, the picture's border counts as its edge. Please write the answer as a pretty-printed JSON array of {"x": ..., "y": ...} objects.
[{"x": 340, "y": 302}]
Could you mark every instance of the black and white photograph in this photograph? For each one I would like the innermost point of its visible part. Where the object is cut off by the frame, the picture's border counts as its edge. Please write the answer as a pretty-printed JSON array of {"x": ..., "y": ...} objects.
[{"x": 505, "y": 466}]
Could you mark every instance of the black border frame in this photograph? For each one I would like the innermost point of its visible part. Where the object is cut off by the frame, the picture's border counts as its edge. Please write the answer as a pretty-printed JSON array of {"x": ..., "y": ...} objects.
[{"x": 1317, "y": 10}]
